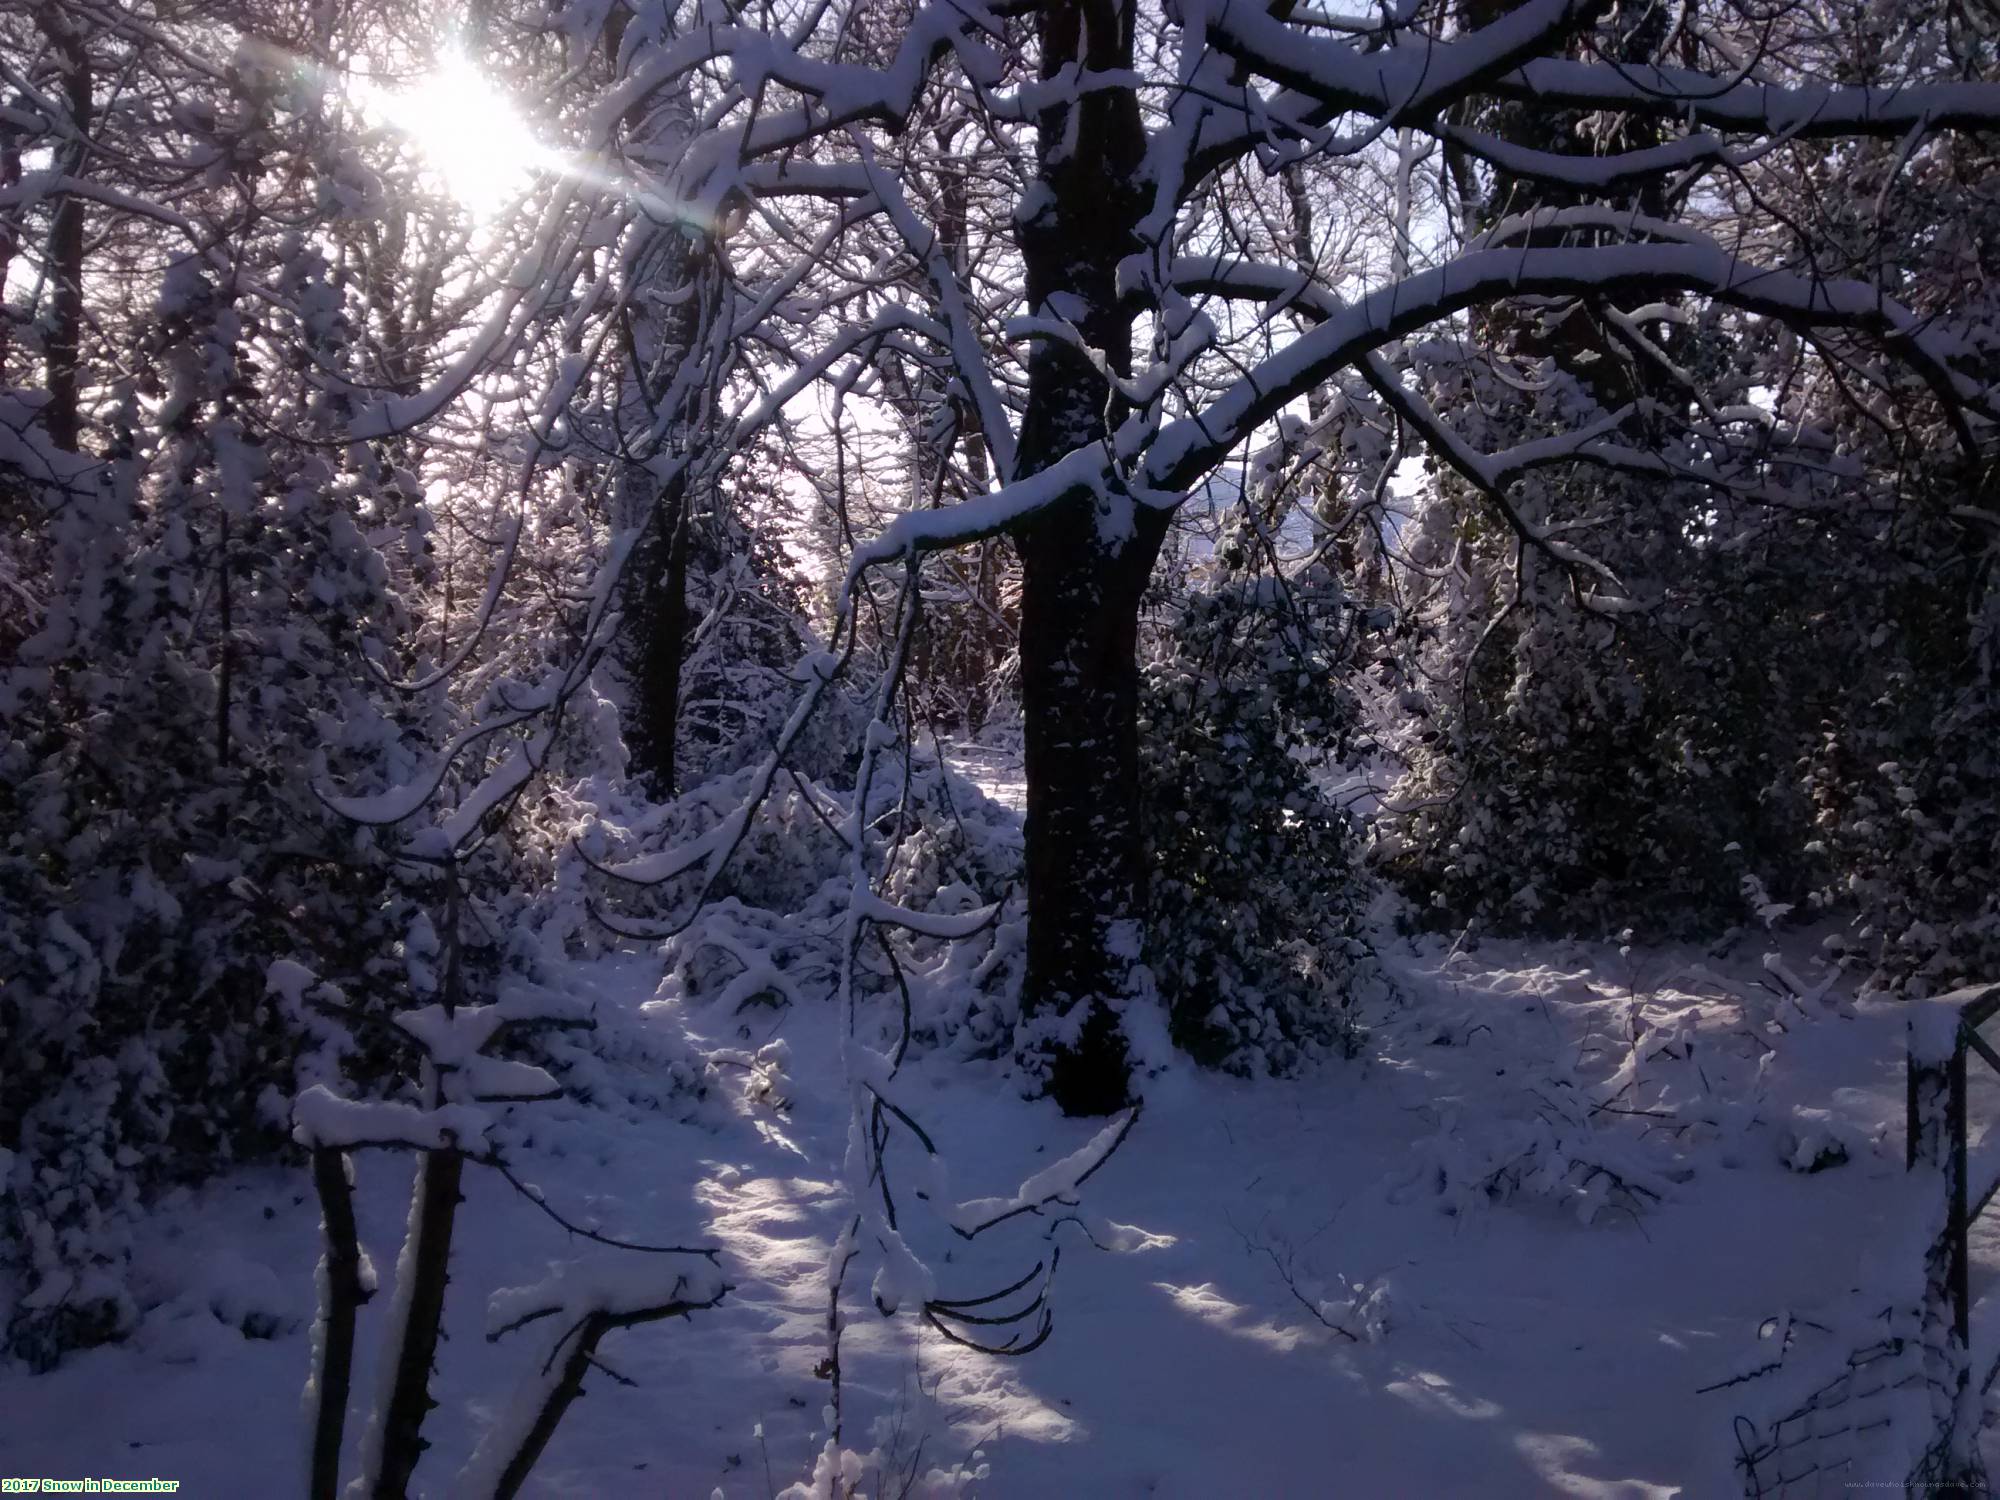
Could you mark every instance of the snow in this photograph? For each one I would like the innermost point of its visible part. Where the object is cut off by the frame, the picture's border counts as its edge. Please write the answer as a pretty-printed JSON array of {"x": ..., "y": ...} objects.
[
  {"x": 1058, "y": 1183},
  {"x": 571, "y": 1294},
  {"x": 1575, "y": 1219},
  {"x": 496, "y": 1078},
  {"x": 619, "y": 1288},
  {"x": 1179, "y": 454},
  {"x": 322, "y": 1118},
  {"x": 1305, "y": 1288},
  {"x": 995, "y": 769},
  {"x": 289, "y": 980},
  {"x": 451, "y": 1040},
  {"x": 930, "y": 923},
  {"x": 517, "y": 764}
]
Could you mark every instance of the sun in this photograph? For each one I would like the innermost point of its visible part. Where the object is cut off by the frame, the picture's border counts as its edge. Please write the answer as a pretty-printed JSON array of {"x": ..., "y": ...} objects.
[{"x": 469, "y": 133}]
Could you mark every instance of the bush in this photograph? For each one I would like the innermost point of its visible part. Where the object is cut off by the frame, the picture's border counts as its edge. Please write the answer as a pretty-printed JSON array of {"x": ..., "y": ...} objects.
[{"x": 1255, "y": 895}]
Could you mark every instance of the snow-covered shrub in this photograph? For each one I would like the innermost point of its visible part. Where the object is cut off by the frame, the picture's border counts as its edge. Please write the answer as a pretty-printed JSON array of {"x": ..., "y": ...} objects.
[
  {"x": 1573, "y": 767},
  {"x": 769, "y": 931},
  {"x": 1902, "y": 772},
  {"x": 1258, "y": 939},
  {"x": 198, "y": 657},
  {"x": 1907, "y": 795},
  {"x": 1572, "y": 1167},
  {"x": 847, "y": 1474},
  {"x": 163, "y": 842},
  {"x": 1819, "y": 605},
  {"x": 1814, "y": 1140},
  {"x": 900, "y": 1463}
]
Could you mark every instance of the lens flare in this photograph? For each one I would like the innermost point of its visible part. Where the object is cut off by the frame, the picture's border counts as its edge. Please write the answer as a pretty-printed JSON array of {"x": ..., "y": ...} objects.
[{"x": 469, "y": 133}]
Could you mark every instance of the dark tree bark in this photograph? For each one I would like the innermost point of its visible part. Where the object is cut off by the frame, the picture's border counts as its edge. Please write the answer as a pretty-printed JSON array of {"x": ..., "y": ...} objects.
[
  {"x": 225, "y": 668},
  {"x": 410, "y": 1400},
  {"x": 682, "y": 271},
  {"x": 1085, "y": 565},
  {"x": 1085, "y": 870},
  {"x": 433, "y": 1216},
  {"x": 682, "y": 268},
  {"x": 344, "y": 1293},
  {"x": 10, "y": 240},
  {"x": 662, "y": 646},
  {"x": 64, "y": 344}
]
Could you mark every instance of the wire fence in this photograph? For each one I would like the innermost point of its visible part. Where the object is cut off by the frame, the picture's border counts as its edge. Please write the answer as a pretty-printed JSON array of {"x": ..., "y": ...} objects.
[
  {"x": 1827, "y": 1442},
  {"x": 1903, "y": 1386}
]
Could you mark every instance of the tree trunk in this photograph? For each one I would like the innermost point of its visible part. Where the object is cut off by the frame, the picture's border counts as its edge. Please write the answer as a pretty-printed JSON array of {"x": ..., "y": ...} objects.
[
  {"x": 1085, "y": 565},
  {"x": 64, "y": 344},
  {"x": 1086, "y": 875},
  {"x": 10, "y": 239},
  {"x": 437, "y": 1199},
  {"x": 342, "y": 1293},
  {"x": 657, "y": 347},
  {"x": 663, "y": 643}
]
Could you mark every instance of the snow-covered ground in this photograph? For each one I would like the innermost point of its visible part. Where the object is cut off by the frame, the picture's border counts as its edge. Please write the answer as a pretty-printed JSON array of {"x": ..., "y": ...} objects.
[
  {"x": 1321, "y": 1297},
  {"x": 994, "y": 766}
]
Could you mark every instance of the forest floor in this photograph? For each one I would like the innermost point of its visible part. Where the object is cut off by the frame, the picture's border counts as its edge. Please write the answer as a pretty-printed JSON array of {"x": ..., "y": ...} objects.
[{"x": 1410, "y": 1274}]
